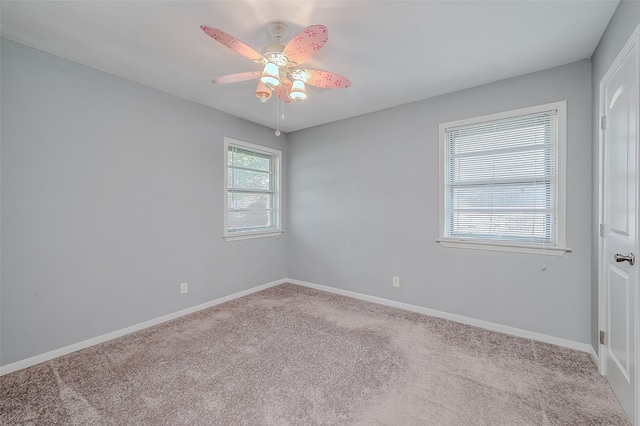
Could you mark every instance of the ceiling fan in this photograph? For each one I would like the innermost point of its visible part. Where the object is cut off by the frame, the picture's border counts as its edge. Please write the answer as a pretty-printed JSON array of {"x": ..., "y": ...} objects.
[{"x": 280, "y": 62}]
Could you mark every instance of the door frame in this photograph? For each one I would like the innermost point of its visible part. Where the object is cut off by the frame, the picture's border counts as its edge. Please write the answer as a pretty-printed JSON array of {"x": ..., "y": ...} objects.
[{"x": 632, "y": 43}]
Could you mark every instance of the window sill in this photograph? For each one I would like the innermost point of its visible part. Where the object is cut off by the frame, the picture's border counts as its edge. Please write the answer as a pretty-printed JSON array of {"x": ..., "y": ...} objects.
[
  {"x": 252, "y": 235},
  {"x": 505, "y": 247}
]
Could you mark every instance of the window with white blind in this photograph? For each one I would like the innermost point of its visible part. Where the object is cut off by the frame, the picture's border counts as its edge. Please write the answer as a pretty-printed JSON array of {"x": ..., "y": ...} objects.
[
  {"x": 503, "y": 181},
  {"x": 251, "y": 190}
]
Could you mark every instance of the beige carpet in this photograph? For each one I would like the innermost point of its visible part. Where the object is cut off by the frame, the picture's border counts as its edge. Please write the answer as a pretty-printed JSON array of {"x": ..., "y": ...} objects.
[{"x": 291, "y": 355}]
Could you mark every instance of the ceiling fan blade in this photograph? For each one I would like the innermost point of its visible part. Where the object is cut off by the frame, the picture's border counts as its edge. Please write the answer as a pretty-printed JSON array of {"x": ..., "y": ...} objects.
[
  {"x": 234, "y": 78},
  {"x": 324, "y": 79},
  {"x": 232, "y": 43},
  {"x": 306, "y": 44}
]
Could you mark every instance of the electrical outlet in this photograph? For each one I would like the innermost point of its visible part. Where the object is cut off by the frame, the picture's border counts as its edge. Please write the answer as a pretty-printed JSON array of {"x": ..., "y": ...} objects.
[
  {"x": 396, "y": 281},
  {"x": 184, "y": 287}
]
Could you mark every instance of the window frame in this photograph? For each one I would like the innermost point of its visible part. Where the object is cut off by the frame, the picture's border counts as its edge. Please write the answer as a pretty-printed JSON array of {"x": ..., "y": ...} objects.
[
  {"x": 557, "y": 249},
  {"x": 276, "y": 173}
]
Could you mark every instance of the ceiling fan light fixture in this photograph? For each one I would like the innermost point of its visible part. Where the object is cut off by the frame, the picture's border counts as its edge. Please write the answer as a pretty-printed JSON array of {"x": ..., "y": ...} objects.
[
  {"x": 263, "y": 93},
  {"x": 270, "y": 75},
  {"x": 298, "y": 91}
]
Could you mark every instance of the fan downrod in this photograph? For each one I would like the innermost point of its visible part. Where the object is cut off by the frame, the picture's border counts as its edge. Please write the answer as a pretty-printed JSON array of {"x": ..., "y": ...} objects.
[{"x": 278, "y": 31}]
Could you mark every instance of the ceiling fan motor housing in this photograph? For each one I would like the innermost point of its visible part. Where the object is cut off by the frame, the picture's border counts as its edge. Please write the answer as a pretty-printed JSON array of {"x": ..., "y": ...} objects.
[
  {"x": 273, "y": 53},
  {"x": 278, "y": 32}
]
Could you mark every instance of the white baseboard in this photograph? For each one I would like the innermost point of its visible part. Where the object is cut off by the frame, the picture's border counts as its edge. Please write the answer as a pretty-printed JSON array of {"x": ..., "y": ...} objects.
[
  {"x": 583, "y": 347},
  {"x": 28, "y": 362},
  {"x": 595, "y": 358}
]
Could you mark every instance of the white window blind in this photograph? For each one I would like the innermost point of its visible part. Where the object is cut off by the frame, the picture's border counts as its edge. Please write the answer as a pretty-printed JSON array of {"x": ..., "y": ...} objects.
[
  {"x": 252, "y": 189},
  {"x": 500, "y": 180}
]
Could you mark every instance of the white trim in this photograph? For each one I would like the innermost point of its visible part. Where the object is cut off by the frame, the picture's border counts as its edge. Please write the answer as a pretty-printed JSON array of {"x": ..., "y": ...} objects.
[
  {"x": 558, "y": 341},
  {"x": 594, "y": 357},
  {"x": 248, "y": 236},
  {"x": 495, "y": 246},
  {"x": 252, "y": 146},
  {"x": 504, "y": 114},
  {"x": 632, "y": 43},
  {"x": 47, "y": 356}
]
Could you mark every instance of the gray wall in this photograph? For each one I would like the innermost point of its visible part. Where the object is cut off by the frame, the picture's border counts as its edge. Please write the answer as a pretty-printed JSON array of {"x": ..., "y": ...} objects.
[
  {"x": 363, "y": 206},
  {"x": 111, "y": 197},
  {"x": 622, "y": 25}
]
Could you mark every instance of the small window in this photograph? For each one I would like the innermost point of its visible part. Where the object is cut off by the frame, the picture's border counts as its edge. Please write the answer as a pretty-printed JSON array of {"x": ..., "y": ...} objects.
[
  {"x": 503, "y": 181},
  {"x": 251, "y": 190}
]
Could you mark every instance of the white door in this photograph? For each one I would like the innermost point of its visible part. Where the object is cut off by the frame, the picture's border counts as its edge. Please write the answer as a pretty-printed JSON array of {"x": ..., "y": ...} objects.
[{"x": 619, "y": 95}]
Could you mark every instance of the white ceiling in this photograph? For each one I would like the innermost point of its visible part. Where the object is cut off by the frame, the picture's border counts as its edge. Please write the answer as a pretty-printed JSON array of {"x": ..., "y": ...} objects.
[{"x": 394, "y": 52}]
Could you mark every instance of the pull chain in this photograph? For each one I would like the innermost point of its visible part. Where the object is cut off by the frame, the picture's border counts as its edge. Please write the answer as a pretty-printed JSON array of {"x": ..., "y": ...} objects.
[{"x": 277, "y": 118}]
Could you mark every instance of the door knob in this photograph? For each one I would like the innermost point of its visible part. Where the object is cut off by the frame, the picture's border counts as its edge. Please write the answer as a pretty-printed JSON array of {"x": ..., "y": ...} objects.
[{"x": 629, "y": 258}]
